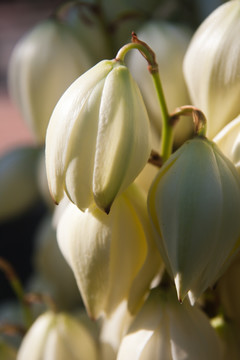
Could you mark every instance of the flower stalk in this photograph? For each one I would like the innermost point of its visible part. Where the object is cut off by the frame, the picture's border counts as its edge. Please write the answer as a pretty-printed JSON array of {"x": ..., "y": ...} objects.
[{"x": 149, "y": 55}]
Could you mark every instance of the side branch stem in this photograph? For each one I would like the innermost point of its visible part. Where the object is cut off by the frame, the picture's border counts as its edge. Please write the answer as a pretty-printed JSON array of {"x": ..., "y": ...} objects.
[{"x": 149, "y": 55}]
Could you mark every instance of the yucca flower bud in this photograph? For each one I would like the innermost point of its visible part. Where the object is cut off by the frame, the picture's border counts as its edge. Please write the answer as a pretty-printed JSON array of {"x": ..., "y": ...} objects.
[
  {"x": 166, "y": 329},
  {"x": 57, "y": 337},
  {"x": 228, "y": 140},
  {"x": 169, "y": 42},
  {"x": 18, "y": 181},
  {"x": 211, "y": 66},
  {"x": 98, "y": 137},
  {"x": 113, "y": 256},
  {"x": 42, "y": 65},
  {"x": 194, "y": 205}
]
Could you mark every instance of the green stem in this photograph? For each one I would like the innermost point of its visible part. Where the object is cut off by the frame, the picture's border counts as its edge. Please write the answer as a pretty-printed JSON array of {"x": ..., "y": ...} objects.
[
  {"x": 17, "y": 288},
  {"x": 167, "y": 128},
  {"x": 149, "y": 55}
]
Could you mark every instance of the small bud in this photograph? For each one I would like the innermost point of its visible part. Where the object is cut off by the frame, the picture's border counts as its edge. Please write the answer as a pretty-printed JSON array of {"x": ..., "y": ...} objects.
[
  {"x": 113, "y": 256},
  {"x": 57, "y": 337},
  {"x": 98, "y": 137},
  {"x": 194, "y": 205},
  {"x": 165, "y": 329},
  {"x": 211, "y": 66},
  {"x": 43, "y": 64}
]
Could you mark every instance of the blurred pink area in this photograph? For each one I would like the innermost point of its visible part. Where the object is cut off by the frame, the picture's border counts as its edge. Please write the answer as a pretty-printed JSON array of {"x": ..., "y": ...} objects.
[
  {"x": 13, "y": 131},
  {"x": 16, "y": 18}
]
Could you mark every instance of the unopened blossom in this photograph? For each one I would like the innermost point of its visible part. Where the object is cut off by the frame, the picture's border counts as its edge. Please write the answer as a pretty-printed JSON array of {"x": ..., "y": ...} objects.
[
  {"x": 57, "y": 336},
  {"x": 43, "y": 64},
  {"x": 113, "y": 257},
  {"x": 166, "y": 329},
  {"x": 194, "y": 205},
  {"x": 98, "y": 138},
  {"x": 212, "y": 67}
]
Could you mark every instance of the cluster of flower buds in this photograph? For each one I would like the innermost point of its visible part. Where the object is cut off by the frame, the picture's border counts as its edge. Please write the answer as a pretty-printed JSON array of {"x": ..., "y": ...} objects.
[{"x": 146, "y": 247}]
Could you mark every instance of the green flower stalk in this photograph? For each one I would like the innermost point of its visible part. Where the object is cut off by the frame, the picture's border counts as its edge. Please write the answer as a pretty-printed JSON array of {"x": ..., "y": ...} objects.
[
  {"x": 194, "y": 205},
  {"x": 98, "y": 138}
]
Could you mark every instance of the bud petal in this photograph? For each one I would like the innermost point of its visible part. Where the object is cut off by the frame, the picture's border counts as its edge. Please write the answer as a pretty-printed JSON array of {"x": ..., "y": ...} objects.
[
  {"x": 99, "y": 247},
  {"x": 98, "y": 137},
  {"x": 57, "y": 337},
  {"x": 165, "y": 329},
  {"x": 211, "y": 66},
  {"x": 194, "y": 205},
  {"x": 43, "y": 64}
]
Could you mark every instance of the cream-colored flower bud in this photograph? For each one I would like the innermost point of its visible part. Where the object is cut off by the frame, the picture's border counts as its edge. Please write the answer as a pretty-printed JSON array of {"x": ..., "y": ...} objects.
[
  {"x": 211, "y": 66},
  {"x": 194, "y": 205},
  {"x": 113, "y": 256},
  {"x": 169, "y": 42},
  {"x": 43, "y": 64},
  {"x": 18, "y": 182},
  {"x": 57, "y": 337},
  {"x": 98, "y": 137},
  {"x": 166, "y": 329},
  {"x": 228, "y": 140}
]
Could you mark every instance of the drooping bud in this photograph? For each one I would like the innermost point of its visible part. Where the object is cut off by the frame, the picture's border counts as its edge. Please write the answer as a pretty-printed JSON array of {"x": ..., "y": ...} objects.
[
  {"x": 98, "y": 137},
  {"x": 43, "y": 64},
  {"x": 211, "y": 66},
  {"x": 113, "y": 256},
  {"x": 194, "y": 205},
  {"x": 57, "y": 337},
  {"x": 165, "y": 329}
]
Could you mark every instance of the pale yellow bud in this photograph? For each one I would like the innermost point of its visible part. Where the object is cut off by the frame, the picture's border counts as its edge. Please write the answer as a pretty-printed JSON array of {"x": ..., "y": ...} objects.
[
  {"x": 43, "y": 64},
  {"x": 113, "y": 256},
  {"x": 57, "y": 337},
  {"x": 194, "y": 205},
  {"x": 166, "y": 329},
  {"x": 211, "y": 66},
  {"x": 98, "y": 138}
]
